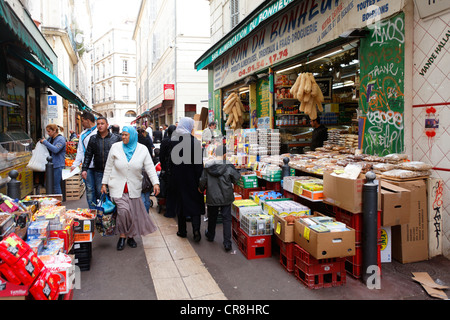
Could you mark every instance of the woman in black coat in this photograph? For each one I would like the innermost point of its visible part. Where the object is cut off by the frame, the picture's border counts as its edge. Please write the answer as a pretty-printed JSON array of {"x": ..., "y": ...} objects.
[
  {"x": 164, "y": 177},
  {"x": 186, "y": 166}
]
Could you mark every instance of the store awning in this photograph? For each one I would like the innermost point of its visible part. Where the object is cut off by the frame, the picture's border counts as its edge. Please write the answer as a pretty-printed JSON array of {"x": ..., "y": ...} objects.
[
  {"x": 4, "y": 103},
  {"x": 55, "y": 83},
  {"x": 19, "y": 32}
]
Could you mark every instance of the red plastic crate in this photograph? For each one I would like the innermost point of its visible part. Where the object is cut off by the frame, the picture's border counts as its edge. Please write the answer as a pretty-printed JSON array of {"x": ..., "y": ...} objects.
[
  {"x": 235, "y": 229},
  {"x": 311, "y": 265},
  {"x": 355, "y": 221},
  {"x": 353, "y": 264},
  {"x": 320, "y": 280},
  {"x": 275, "y": 186},
  {"x": 245, "y": 192},
  {"x": 286, "y": 254},
  {"x": 304, "y": 256},
  {"x": 254, "y": 247}
]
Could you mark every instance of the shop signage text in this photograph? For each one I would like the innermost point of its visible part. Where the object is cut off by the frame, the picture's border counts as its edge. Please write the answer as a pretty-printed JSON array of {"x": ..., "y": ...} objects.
[{"x": 302, "y": 27}]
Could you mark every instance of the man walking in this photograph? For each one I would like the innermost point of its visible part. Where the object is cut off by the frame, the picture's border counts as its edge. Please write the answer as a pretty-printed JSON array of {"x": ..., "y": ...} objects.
[
  {"x": 90, "y": 129},
  {"x": 97, "y": 151}
]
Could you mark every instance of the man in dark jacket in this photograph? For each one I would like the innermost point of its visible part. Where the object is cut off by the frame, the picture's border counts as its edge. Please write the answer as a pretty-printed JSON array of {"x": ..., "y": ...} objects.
[
  {"x": 319, "y": 135},
  {"x": 98, "y": 149},
  {"x": 217, "y": 179}
]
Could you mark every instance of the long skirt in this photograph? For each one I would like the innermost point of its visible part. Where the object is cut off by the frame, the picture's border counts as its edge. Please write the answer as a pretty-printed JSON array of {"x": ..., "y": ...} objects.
[{"x": 132, "y": 218}]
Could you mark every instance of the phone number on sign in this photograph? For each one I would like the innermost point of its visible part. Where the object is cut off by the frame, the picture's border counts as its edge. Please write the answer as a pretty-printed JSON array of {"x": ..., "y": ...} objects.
[{"x": 262, "y": 63}]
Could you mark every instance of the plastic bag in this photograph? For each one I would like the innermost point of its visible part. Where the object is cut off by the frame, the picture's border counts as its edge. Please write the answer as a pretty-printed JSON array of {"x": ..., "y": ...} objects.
[
  {"x": 39, "y": 158},
  {"x": 105, "y": 221}
]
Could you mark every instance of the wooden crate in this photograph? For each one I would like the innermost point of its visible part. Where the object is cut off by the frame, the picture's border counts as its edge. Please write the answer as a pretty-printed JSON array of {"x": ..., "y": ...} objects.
[
  {"x": 74, "y": 187},
  {"x": 75, "y": 194}
]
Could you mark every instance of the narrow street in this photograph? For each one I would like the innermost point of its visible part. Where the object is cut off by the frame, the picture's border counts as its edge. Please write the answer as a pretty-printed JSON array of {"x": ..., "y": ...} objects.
[{"x": 166, "y": 267}]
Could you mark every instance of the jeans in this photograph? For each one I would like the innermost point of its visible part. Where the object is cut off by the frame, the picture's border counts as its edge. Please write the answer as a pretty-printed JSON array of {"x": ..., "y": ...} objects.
[
  {"x": 213, "y": 212},
  {"x": 93, "y": 187},
  {"x": 146, "y": 199},
  {"x": 57, "y": 179}
]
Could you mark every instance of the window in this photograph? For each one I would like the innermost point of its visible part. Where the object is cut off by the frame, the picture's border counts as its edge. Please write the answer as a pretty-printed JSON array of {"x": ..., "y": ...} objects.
[
  {"x": 125, "y": 66},
  {"x": 130, "y": 114},
  {"x": 234, "y": 13},
  {"x": 125, "y": 92}
]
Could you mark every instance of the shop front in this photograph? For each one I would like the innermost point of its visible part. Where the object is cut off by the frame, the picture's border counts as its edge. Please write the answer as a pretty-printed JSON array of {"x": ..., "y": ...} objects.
[
  {"x": 353, "y": 50},
  {"x": 27, "y": 63}
]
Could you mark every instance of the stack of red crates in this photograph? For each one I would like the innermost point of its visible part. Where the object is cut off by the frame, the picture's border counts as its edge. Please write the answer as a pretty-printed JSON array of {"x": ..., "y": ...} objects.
[
  {"x": 286, "y": 254},
  {"x": 353, "y": 264},
  {"x": 316, "y": 274}
]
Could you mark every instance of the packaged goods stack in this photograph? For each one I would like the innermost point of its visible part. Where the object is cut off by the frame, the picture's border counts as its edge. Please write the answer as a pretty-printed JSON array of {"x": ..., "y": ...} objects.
[
  {"x": 273, "y": 141},
  {"x": 252, "y": 229},
  {"x": 263, "y": 142},
  {"x": 83, "y": 235}
]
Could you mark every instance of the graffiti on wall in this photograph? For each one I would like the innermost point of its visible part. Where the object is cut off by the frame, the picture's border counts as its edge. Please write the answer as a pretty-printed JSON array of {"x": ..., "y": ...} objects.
[{"x": 382, "y": 87}]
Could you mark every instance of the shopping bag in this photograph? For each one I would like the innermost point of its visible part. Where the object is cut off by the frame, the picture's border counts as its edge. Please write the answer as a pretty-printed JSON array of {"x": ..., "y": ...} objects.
[
  {"x": 38, "y": 158},
  {"x": 105, "y": 221}
]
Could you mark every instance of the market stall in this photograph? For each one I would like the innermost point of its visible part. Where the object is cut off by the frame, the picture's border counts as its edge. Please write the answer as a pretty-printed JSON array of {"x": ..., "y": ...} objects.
[
  {"x": 284, "y": 199},
  {"x": 42, "y": 246}
]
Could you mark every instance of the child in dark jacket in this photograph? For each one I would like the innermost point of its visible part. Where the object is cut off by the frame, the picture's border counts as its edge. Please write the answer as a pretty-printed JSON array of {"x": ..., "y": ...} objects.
[{"x": 217, "y": 179}]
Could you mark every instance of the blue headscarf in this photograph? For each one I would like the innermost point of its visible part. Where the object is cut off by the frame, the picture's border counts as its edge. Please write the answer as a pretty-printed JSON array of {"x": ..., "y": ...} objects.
[{"x": 132, "y": 144}]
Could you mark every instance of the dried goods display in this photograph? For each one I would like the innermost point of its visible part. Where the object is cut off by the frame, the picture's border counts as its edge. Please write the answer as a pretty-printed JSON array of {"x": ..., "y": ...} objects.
[
  {"x": 234, "y": 108},
  {"x": 308, "y": 92}
]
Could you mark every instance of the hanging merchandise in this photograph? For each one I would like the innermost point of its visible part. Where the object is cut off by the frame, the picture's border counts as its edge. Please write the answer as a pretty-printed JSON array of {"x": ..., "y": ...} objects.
[
  {"x": 234, "y": 108},
  {"x": 308, "y": 92}
]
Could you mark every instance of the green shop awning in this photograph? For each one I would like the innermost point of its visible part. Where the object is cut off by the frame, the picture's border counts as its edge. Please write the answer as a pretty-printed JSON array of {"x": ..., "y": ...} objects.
[
  {"x": 15, "y": 31},
  {"x": 55, "y": 83}
]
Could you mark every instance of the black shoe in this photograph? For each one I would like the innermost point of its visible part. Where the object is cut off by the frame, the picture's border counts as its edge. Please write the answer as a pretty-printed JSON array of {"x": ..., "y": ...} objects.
[
  {"x": 208, "y": 237},
  {"x": 132, "y": 243},
  {"x": 181, "y": 235},
  {"x": 197, "y": 236},
  {"x": 227, "y": 247},
  {"x": 121, "y": 244}
]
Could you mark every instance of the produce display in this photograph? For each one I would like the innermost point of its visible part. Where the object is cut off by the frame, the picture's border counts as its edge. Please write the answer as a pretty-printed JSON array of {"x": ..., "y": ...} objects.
[
  {"x": 234, "y": 108},
  {"x": 308, "y": 92}
]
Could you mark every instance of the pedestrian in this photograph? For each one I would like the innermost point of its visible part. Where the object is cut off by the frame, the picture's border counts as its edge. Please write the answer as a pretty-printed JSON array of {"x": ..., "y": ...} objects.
[
  {"x": 149, "y": 130},
  {"x": 186, "y": 169},
  {"x": 165, "y": 133},
  {"x": 56, "y": 145},
  {"x": 319, "y": 135},
  {"x": 90, "y": 129},
  {"x": 97, "y": 151},
  {"x": 217, "y": 179},
  {"x": 73, "y": 135},
  {"x": 145, "y": 140},
  {"x": 157, "y": 135},
  {"x": 123, "y": 178},
  {"x": 208, "y": 135},
  {"x": 164, "y": 176},
  {"x": 115, "y": 128}
]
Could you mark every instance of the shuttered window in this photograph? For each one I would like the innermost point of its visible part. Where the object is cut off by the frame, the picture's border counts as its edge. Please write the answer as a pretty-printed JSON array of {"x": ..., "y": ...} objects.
[{"x": 234, "y": 13}]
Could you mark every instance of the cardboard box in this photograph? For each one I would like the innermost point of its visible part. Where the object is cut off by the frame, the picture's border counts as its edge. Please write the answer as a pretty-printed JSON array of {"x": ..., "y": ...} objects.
[
  {"x": 386, "y": 244},
  {"x": 346, "y": 193},
  {"x": 410, "y": 241},
  {"x": 324, "y": 245},
  {"x": 395, "y": 204},
  {"x": 283, "y": 230}
]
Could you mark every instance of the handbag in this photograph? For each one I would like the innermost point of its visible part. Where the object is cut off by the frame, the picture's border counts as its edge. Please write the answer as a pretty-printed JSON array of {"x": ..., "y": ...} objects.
[
  {"x": 38, "y": 158},
  {"x": 147, "y": 185},
  {"x": 105, "y": 221}
]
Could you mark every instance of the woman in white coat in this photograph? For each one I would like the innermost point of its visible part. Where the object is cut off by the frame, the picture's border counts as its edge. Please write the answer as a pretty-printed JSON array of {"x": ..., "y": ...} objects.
[{"x": 123, "y": 178}]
